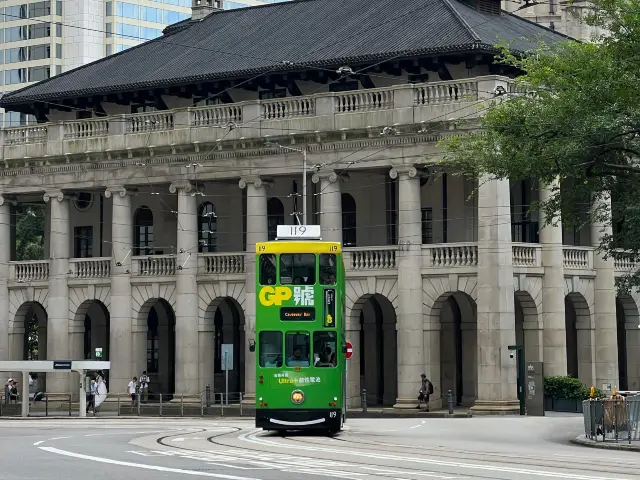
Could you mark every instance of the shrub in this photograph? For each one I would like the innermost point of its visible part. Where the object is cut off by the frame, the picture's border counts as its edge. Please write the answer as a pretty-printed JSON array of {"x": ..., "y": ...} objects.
[{"x": 567, "y": 387}]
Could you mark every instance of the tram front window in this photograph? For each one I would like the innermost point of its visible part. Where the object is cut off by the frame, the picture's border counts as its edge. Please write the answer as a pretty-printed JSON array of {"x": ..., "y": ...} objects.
[
  {"x": 297, "y": 269},
  {"x": 270, "y": 347},
  {"x": 325, "y": 349},
  {"x": 328, "y": 269},
  {"x": 267, "y": 269},
  {"x": 297, "y": 349}
]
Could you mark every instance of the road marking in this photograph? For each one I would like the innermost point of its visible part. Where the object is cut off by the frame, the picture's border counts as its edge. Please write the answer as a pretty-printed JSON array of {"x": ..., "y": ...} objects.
[
  {"x": 156, "y": 468},
  {"x": 40, "y": 442},
  {"x": 57, "y": 438},
  {"x": 250, "y": 437}
]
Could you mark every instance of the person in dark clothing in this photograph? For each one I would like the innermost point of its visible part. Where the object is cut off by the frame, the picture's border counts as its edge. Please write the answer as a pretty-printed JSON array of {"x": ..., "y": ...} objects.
[{"x": 426, "y": 389}]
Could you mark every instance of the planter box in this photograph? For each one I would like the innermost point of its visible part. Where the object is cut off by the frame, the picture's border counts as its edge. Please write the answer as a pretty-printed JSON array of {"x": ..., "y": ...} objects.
[{"x": 562, "y": 405}]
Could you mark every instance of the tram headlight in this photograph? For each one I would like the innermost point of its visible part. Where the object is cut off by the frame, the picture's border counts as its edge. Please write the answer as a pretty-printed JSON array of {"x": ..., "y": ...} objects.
[{"x": 297, "y": 397}]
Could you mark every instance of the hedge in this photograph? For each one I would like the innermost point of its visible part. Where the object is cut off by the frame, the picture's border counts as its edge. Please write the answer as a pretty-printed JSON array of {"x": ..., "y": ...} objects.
[{"x": 567, "y": 387}]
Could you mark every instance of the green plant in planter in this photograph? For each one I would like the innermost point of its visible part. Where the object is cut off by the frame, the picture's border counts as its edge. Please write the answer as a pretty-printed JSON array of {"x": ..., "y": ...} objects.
[{"x": 569, "y": 388}]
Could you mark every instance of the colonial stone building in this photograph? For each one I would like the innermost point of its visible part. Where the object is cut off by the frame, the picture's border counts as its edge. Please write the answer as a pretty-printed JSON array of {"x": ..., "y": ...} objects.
[{"x": 163, "y": 165}]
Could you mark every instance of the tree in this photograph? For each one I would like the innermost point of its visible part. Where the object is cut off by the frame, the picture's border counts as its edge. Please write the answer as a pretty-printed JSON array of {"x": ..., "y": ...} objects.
[{"x": 578, "y": 123}]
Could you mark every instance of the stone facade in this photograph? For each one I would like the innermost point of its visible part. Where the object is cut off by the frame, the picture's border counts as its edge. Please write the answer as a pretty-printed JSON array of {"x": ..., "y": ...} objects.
[{"x": 153, "y": 220}]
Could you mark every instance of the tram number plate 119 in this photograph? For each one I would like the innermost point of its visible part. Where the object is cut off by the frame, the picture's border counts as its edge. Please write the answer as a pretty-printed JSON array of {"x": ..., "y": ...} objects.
[{"x": 333, "y": 414}]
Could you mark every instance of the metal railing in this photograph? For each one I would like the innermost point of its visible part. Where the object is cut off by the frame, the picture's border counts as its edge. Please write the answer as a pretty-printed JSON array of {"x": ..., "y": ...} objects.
[
  {"x": 612, "y": 420},
  {"x": 50, "y": 404}
]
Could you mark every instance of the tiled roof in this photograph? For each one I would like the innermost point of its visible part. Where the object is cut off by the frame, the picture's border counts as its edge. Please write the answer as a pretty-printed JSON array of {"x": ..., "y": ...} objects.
[{"x": 290, "y": 36}]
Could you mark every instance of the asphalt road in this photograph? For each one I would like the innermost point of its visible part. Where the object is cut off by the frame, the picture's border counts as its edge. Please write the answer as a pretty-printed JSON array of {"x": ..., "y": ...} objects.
[{"x": 391, "y": 449}]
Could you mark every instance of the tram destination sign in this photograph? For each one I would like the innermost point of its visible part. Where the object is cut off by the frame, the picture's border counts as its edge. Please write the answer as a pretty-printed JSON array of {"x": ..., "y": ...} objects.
[
  {"x": 298, "y": 232},
  {"x": 297, "y": 314}
]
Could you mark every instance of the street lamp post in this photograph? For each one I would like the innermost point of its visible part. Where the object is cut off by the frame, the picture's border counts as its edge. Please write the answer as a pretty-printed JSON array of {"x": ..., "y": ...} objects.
[{"x": 303, "y": 151}]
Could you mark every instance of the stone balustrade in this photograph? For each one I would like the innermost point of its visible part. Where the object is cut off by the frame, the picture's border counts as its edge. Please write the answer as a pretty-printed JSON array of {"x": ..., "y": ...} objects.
[
  {"x": 451, "y": 255},
  {"x": 221, "y": 263},
  {"x": 91, "y": 267},
  {"x": 578, "y": 258},
  {"x": 370, "y": 258},
  {"x": 527, "y": 255},
  {"x": 30, "y": 271},
  {"x": 334, "y": 111},
  {"x": 154, "y": 266}
]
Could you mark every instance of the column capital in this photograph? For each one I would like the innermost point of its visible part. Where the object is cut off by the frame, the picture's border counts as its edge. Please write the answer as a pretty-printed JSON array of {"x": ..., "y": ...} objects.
[
  {"x": 118, "y": 190},
  {"x": 330, "y": 175},
  {"x": 186, "y": 186},
  {"x": 408, "y": 170},
  {"x": 54, "y": 193},
  {"x": 255, "y": 180}
]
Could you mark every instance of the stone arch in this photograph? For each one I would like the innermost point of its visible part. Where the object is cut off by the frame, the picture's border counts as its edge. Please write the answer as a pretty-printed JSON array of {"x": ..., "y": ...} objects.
[
  {"x": 528, "y": 325},
  {"x": 93, "y": 319},
  {"x": 628, "y": 342},
  {"x": 375, "y": 347},
  {"x": 28, "y": 336},
  {"x": 156, "y": 345},
  {"x": 452, "y": 334},
  {"x": 223, "y": 323},
  {"x": 358, "y": 291},
  {"x": 580, "y": 342}
]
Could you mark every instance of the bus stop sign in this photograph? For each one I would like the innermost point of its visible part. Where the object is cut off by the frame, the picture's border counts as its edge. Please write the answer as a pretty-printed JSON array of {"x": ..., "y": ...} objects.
[{"x": 349, "y": 350}]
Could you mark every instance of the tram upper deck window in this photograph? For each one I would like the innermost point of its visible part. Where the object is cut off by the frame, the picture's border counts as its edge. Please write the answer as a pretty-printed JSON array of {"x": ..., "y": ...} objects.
[
  {"x": 267, "y": 269},
  {"x": 270, "y": 348},
  {"x": 328, "y": 269},
  {"x": 297, "y": 269},
  {"x": 297, "y": 349}
]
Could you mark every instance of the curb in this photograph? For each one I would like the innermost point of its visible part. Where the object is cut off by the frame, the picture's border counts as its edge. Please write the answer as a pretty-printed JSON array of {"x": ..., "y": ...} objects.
[{"x": 584, "y": 442}]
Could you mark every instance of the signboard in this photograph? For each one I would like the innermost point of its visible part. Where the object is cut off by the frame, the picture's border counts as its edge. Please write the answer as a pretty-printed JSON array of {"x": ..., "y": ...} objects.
[
  {"x": 297, "y": 314},
  {"x": 298, "y": 232},
  {"x": 62, "y": 364},
  {"x": 329, "y": 318},
  {"x": 534, "y": 389},
  {"x": 349, "y": 353},
  {"x": 276, "y": 296},
  {"x": 227, "y": 356},
  {"x": 98, "y": 353}
]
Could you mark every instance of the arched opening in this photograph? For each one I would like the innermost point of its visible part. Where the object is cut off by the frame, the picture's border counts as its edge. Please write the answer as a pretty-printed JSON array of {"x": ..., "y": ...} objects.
[
  {"x": 349, "y": 221},
  {"x": 378, "y": 349},
  {"x": 275, "y": 217},
  {"x": 143, "y": 231},
  {"x": 457, "y": 314},
  {"x": 161, "y": 348},
  {"x": 528, "y": 328},
  {"x": 578, "y": 337},
  {"x": 29, "y": 338},
  {"x": 207, "y": 228},
  {"x": 628, "y": 342},
  {"x": 227, "y": 317},
  {"x": 94, "y": 317}
]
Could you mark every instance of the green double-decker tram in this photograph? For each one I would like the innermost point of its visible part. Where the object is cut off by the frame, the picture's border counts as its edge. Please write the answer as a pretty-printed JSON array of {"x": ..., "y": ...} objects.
[{"x": 301, "y": 345}]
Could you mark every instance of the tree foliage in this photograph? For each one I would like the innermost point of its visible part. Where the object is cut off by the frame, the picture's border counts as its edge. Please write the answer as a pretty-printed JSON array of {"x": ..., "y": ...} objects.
[{"x": 578, "y": 123}]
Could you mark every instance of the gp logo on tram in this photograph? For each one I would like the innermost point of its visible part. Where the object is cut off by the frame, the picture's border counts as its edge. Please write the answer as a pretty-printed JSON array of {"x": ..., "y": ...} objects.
[{"x": 270, "y": 296}]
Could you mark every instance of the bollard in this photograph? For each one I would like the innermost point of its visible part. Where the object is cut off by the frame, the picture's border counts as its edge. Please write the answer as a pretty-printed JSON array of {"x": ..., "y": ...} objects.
[
  {"x": 222, "y": 404},
  {"x": 182, "y": 405},
  {"x": 240, "y": 403},
  {"x": 118, "y": 404},
  {"x": 69, "y": 404},
  {"x": 450, "y": 402},
  {"x": 363, "y": 399},
  {"x": 46, "y": 405},
  {"x": 138, "y": 399},
  {"x": 160, "y": 395},
  {"x": 208, "y": 395}
]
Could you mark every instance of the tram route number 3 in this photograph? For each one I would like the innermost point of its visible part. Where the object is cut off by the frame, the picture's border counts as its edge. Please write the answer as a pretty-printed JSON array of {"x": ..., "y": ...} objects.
[{"x": 333, "y": 414}]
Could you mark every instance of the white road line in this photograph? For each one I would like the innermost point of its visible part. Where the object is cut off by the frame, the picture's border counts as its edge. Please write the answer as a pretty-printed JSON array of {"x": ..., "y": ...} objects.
[
  {"x": 250, "y": 437},
  {"x": 40, "y": 442},
  {"x": 57, "y": 438},
  {"x": 142, "y": 466}
]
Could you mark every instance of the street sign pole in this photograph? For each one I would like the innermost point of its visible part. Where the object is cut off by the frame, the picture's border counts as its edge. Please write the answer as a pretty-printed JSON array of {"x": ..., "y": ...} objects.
[{"x": 226, "y": 379}]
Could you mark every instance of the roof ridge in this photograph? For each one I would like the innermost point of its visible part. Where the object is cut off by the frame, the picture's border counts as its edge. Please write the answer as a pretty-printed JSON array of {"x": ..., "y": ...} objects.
[{"x": 465, "y": 24}]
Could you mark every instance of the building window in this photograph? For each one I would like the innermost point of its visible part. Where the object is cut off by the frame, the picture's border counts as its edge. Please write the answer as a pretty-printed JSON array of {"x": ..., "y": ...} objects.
[
  {"x": 343, "y": 86},
  {"x": 59, "y": 7},
  {"x": 40, "y": 30},
  {"x": 127, "y": 30},
  {"x": 109, "y": 49},
  {"x": 37, "y": 74},
  {"x": 127, "y": 10},
  {"x": 39, "y": 52},
  {"x": 15, "y": 34},
  {"x": 58, "y": 50},
  {"x": 15, "y": 12},
  {"x": 109, "y": 9},
  {"x": 151, "y": 14},
  {"x": 108, "y": 30},
  {"x": 147, "y": 33},
  {"x": 143, "y": 225},
  {"x": 13, "y": 55},
  {"x": 58, "y": 30},
  {"x": 275, "y": 217},
  {"x": 58, "y": 69},
  {"x": 39, "y": 9},
  {"x": 275, "y": 93},
  {"x": 427, "y": 225},
  {"x": 17, "y": 75},
  {"x": 143, "y": 107},
  {"x": 83, "y": 241},
  {"x": 349, "y": 221},
  {"x": 207, "y": 220}
]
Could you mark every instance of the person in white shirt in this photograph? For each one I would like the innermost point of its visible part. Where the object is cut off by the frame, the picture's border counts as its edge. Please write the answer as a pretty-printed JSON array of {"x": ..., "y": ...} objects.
[{"x": 132, "y": 391}]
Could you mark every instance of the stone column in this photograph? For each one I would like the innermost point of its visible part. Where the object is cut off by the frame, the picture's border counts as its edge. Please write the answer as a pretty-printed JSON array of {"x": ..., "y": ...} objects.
[
  {"x": 410, "y": 323},
  {"x": 187, "y": 367},
  {"x": 604, "y": 299},
  {"x": 497, "y": 373},
  {"x": 553, "y": 314},
  {"x": 256, "y": 232},
  {"x": 121, "y": 334},
  {"x": 58, "y": 308},
  {"x": 330, "y": 205},
  {"x": 5, "y": 257}
]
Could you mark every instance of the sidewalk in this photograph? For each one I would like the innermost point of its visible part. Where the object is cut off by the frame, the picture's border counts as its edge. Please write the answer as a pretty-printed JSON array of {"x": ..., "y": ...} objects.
[{"x": 623, "y": 444}]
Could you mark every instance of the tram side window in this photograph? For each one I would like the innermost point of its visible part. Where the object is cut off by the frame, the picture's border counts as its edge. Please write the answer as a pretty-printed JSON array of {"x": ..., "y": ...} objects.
[
  {"x": 267, "y": 269},
  {"x": 325, "y": 348},
  {"x": 297, "y": 269},
  {"x": 328, "y": 269},
  {"x": 297, "y": 349},
  {"x": 270, "y": 345}
]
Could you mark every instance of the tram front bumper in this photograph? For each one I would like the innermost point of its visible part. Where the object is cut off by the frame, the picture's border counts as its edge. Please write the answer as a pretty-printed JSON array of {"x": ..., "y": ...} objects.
[{"x": 294, "y": 419}]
